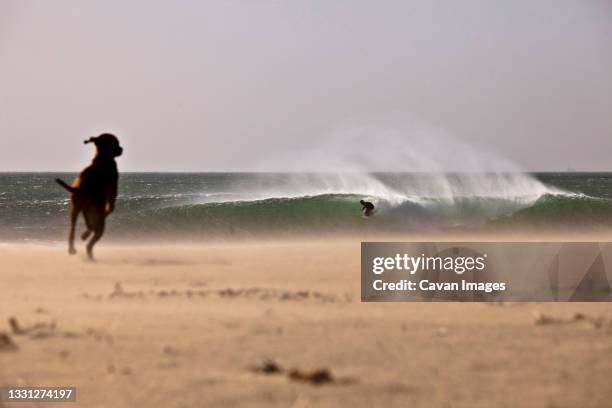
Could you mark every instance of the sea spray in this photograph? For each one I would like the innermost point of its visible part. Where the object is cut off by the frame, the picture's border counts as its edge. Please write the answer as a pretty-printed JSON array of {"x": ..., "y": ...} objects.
[{"x": 428, "y": 162}]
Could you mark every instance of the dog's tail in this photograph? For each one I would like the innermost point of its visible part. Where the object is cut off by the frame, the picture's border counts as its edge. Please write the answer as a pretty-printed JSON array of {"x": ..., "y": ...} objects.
[{"x": 67, "y": 186}]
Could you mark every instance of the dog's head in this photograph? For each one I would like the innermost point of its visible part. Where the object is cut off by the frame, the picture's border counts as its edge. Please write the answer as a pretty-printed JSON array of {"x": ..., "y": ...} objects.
[{"x": 107, "y": 145}]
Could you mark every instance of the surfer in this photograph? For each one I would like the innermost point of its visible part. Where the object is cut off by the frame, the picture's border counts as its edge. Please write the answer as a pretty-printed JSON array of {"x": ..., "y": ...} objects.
[{"x": 367, "y": 207}]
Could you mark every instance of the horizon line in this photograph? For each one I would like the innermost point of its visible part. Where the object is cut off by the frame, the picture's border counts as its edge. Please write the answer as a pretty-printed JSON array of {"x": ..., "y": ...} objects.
[{"x": 306, "y": 172}]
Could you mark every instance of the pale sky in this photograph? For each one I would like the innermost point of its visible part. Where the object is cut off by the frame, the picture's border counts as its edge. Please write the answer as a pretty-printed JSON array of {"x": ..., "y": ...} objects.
[{"x": 243, "y": 85}]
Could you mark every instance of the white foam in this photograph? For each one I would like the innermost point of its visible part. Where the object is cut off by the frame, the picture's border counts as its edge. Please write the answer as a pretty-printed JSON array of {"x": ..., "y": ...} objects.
[{"x": 434, "y": 165}]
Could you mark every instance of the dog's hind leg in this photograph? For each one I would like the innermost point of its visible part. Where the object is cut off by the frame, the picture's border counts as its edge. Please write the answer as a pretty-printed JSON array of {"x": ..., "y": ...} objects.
[
  {"x": 74, "y": 214},
  {"x": 88, "y": 231},
  {"x": 98, "y": 230}
]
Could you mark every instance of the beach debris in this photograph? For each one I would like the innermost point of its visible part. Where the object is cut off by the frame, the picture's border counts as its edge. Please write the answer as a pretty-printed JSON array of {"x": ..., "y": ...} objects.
[
  {"x": 15, "y": 326},
  {"x": 42, "y": 330},
  {"x": 316, "y": 377},
  {"x": 41, "y": 334},
  {"x": 540, "y": 319},
  {"x": 268, "y": 366},
  {"x": 171, "y": 351},
  {"x": 7, "y": 343},
  {"x": 71, "y": 335},
  {"x": 229, "y": 293},
  {"x": 126, "y": 371},
  {"x": 169, "y": 359},
  {"x": 100, "y": 335},
  {"x": 273, "y": 293},
  {"x": 37, "y": 331},
  {"x": 302, "y": 294},
  {"x": 118, "y": 291}
]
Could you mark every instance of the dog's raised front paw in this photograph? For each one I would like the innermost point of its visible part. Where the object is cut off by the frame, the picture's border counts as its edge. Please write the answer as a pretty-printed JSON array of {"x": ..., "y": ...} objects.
[{"x": 71, "y": 251}]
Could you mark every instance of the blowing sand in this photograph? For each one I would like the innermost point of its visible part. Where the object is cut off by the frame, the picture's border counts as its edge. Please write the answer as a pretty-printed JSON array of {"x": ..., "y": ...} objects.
[{"x": 224, "y": 325}]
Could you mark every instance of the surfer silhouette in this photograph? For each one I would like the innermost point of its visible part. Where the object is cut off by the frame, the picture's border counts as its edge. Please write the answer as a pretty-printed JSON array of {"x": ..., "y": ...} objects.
[{"x": 367, "y": 207}]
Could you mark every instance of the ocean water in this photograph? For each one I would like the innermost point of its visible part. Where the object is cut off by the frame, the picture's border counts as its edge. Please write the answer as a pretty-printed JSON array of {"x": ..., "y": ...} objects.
[{"x": 208, "y": 205}]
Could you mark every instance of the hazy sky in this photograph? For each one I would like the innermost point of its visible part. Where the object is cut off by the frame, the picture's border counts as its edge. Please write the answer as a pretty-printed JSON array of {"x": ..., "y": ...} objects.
[{"x": 239, "y": 85}]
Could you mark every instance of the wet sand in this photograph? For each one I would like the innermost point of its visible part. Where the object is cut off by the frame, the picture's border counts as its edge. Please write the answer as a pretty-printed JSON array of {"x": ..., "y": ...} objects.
[{"x": 200, "y": 325}]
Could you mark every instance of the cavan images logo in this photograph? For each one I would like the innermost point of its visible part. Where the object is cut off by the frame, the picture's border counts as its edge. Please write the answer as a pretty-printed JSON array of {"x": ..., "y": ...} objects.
[{"x": 486, "y": 271}]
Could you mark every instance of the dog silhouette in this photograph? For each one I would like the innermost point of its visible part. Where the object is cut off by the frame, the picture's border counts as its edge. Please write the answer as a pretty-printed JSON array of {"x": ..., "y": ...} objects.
[{"x": 94, "y": 191}]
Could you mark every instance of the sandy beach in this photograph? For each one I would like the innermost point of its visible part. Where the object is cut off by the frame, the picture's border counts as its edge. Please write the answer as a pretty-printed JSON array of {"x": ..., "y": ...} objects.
[
  {"x": 247, "y": 324},
  {"x": 232, "y": 166}
]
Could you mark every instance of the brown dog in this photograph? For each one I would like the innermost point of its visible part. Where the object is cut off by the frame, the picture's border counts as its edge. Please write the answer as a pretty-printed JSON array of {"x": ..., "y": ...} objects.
[{"x": 95, "y": 190}]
